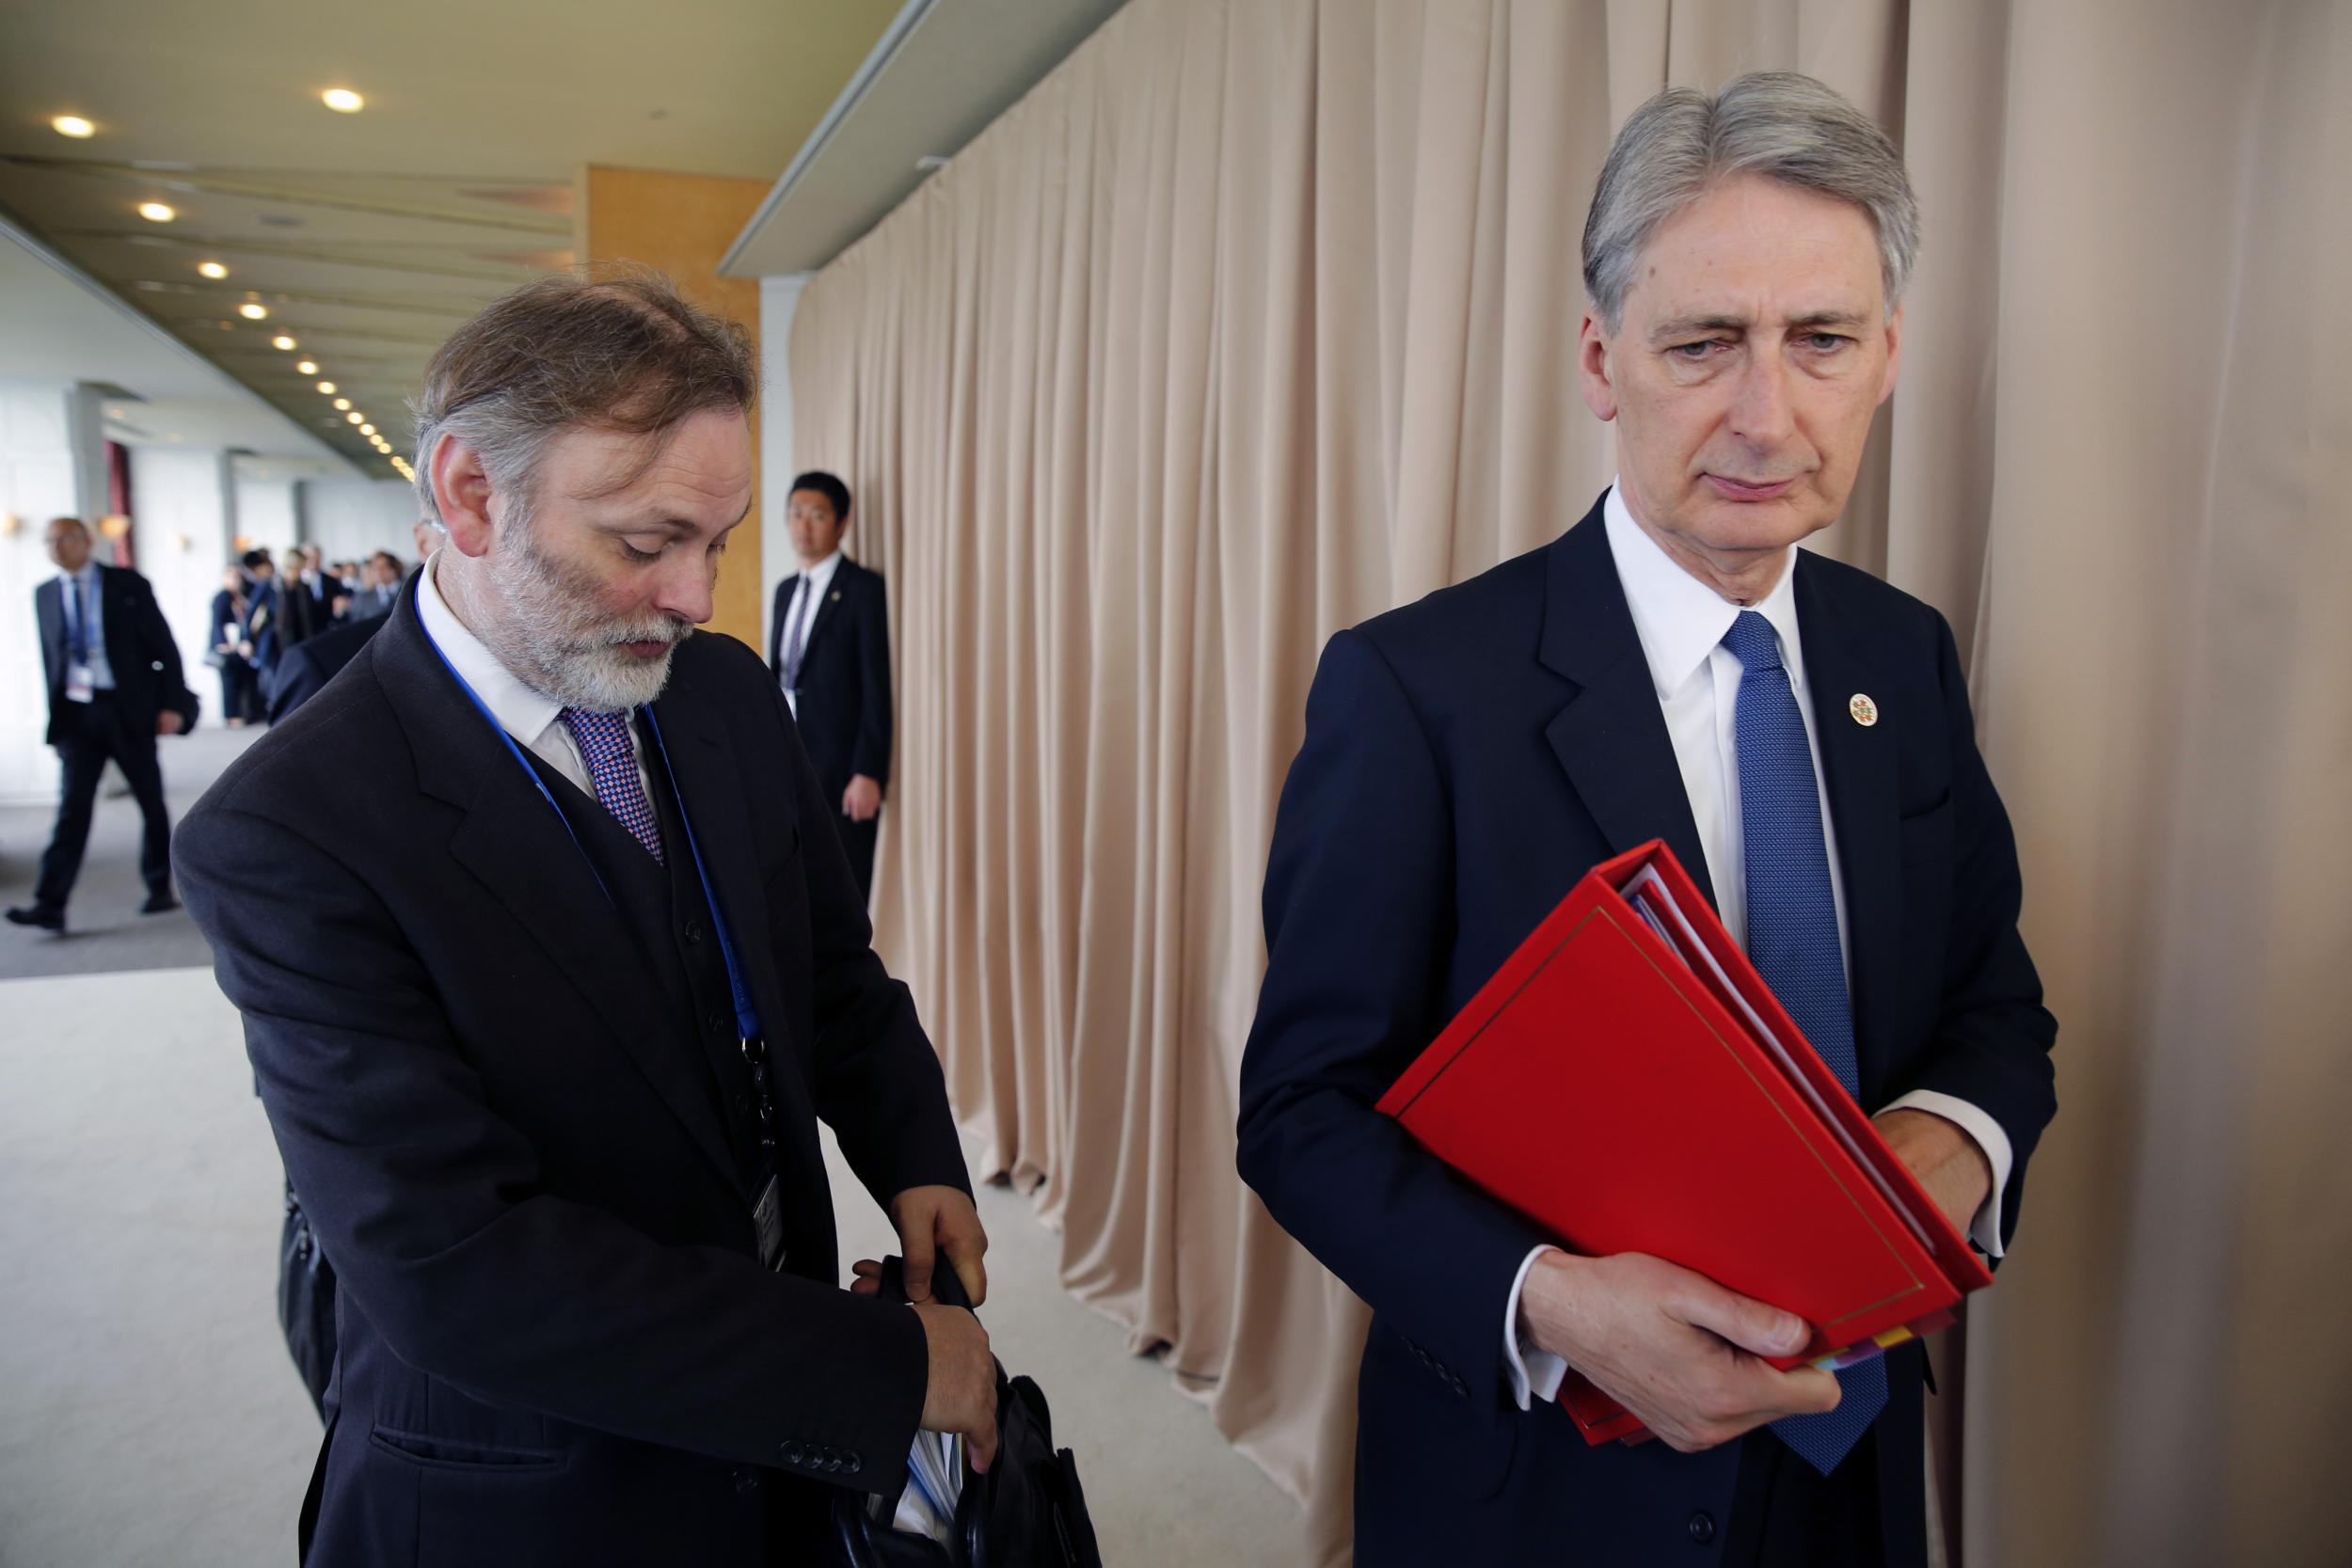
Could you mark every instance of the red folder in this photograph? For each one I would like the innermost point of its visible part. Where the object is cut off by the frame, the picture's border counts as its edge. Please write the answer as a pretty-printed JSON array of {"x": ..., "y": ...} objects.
[{"x": 1635, "y": 1087}]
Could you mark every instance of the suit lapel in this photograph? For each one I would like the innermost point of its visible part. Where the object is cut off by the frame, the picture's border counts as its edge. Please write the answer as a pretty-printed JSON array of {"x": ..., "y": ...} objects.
[
  {"x": 829, "y": 609},
  {"x": 519, "y": 847},
  {"x": 1611, "y": 737},
  {"x": 708, "y": 781},
  {"x": 1858, "y": 764},
  {"x": 49, "y": 608}
]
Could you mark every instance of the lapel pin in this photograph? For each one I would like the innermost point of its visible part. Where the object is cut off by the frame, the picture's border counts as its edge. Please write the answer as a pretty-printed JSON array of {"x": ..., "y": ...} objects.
[
  {"x": 836, "y": 595},
  {"x": 1865, "y": 712}
]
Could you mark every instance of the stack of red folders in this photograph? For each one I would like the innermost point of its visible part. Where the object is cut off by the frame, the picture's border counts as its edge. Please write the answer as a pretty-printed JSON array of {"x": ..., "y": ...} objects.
[{"x": 1629, "y": 1082}]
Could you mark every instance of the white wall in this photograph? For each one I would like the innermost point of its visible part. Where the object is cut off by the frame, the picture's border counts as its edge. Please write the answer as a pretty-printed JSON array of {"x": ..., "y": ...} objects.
[
  {"x": 351, "y": 519},
  {"x": 779, "y": 298},
  {"x": 184, "y": 504},
  {"x": 266, "y": 513},
  {"x": 37, "y": 482}
]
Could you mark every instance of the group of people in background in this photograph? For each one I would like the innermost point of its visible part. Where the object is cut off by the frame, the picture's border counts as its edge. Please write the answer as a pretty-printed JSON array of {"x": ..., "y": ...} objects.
[{"x": 265, "y": 609}]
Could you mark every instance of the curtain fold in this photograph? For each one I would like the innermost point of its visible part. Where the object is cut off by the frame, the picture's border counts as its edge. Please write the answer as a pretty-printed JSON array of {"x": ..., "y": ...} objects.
[{"x": 1257, "y": 317}]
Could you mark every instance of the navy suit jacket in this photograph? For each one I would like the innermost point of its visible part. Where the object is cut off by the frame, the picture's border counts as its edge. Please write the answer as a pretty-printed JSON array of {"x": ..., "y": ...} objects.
[
  {"x": 1467, "y": 760},
  {"x": 148, "y": 679},
  {"x": 556, "y": 1341},
  {"x": 844, "y": 694}
]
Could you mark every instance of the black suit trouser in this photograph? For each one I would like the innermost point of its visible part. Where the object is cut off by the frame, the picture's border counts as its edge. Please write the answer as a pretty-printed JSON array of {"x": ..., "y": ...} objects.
[{"x": 90, "y": 734}]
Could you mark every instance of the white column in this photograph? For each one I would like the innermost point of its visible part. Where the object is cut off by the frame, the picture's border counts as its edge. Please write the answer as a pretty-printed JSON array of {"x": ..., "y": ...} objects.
[
  {"x": 779, "y": 298},
  {"x": 86, "y": 432},
  {"x": 37, "y": 482}
]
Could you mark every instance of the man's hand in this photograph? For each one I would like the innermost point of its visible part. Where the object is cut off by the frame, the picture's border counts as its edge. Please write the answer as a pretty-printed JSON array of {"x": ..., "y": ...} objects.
[
  {"x": 169, "y": 722},
  {"x": 1945, "y": 1159},
  {"x": 932, "y": 1220},
  {"x": 961, "y": 1394},
  {"x": 1675, "y": 1348},
  {"x": 862, "y": 801}
]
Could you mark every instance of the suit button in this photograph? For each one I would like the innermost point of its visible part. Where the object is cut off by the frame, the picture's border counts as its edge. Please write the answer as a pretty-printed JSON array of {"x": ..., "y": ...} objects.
[
  {"x": 694, "y": 933},
  {"x": 795, "y": 1454},
  {"x": 856, "y": 1463},
  {"x": 747, "y": 1479},
  {"x": 717, "y": 1022},
  {"x": 1702, "y": 1527}
]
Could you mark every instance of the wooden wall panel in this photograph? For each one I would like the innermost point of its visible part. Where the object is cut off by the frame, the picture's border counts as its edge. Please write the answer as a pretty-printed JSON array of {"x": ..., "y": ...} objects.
[{"x": 682, "y": 224}]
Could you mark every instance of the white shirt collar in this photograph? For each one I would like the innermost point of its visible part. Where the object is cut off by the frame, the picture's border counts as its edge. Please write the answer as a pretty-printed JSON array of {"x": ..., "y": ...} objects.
[
  {"x": 821, "y": 573},
  {"x": 1678, "y": 618},
  {"x": 520, "y": 711}
]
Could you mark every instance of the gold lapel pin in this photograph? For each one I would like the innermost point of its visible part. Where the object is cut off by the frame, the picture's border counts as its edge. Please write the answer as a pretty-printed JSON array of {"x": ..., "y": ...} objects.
[
  {"x": 836, "y": 595},
  {"x": 1865, "y": 712}
]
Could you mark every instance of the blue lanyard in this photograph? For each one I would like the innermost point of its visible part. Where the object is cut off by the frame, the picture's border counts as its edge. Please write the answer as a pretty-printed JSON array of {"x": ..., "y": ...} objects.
[{"x": 746, "y": 1016}]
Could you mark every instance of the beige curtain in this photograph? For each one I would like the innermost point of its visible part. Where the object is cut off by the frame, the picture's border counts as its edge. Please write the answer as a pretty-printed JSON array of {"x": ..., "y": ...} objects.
[{"x": 1257, "y": 316}]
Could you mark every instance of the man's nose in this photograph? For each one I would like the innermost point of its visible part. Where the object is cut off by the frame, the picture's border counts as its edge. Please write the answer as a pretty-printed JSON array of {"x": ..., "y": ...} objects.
[
  {"x": 1760, "y": 410},
  {"x": 685, "y": 586}
]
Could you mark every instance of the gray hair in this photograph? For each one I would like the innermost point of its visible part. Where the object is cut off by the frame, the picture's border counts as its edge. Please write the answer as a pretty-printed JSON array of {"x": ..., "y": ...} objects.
[
  {"x": 617, "y": 349},
  {"x": 1776, "y": 125}
]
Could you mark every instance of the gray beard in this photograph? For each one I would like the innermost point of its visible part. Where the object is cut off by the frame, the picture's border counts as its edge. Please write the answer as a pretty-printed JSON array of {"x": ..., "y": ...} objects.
[{"x": 540, "y": 631}]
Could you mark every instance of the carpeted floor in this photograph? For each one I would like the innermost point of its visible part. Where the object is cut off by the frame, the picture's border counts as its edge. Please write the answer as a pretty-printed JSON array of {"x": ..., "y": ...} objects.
[{"x": 148, "y": 1412}]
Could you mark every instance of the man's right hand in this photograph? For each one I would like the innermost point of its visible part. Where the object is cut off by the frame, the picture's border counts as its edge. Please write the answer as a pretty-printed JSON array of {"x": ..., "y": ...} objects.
[
  {"x": 1675, "y": 1348},
  {"x": 961, "y": 1395}
]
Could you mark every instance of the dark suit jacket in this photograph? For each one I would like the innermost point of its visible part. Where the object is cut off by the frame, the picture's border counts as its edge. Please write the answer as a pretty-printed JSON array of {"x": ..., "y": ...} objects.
[
  {"x": 304, "y": 670},
  {"x": 1467, "y": 759},
  {"x": 149, "y": 679},
  {"x": 844, "y": 692},
  {"x": 557, "y": 1344}
]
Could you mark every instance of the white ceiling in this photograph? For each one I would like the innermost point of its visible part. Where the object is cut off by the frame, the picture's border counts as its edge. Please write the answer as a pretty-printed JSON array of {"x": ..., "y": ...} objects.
[{"x": 54, "y": 327}]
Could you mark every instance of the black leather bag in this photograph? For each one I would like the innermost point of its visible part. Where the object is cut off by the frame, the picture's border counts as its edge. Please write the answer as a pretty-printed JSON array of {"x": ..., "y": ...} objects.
[
  {"x": 306, "y": 1302},
  {"x": 1028, "y": 1512}
]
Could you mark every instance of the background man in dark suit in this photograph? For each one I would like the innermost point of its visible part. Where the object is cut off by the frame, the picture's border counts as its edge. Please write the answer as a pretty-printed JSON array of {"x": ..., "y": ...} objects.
[
  {"x": 1670, "y": 668},
  {"x": 544, "y": 1048},
  {"x": 304, "y": 671},
  {"x": 830, "y": 650},
  {"x": 115, "y": 684}
]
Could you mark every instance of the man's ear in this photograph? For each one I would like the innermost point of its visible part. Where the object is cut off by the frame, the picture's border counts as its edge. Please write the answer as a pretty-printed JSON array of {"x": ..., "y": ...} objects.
[
  {"x": 1595, "y": 377},
  {"x": 1893, "y": 352},
  {"x": 461, "y": 493}
]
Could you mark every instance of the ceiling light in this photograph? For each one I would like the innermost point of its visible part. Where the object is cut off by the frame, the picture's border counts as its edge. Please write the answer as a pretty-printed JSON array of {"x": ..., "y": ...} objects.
[
  {"x": 342, "y": 404},
  {"x": 282, "y": 341},
  {"x": 353, "y": 417},
  {"x": 308, "y": 367},
  {"x": 328, "y": 389},
  {"x": 213, "y": 270},
  {"x": 343, "y": 101},
  {"x": 253, "y": 311},
  {"x": 155, "y": 212},
  {"x": 72, "y": 125},
  {"x": 367, "y": 430}
]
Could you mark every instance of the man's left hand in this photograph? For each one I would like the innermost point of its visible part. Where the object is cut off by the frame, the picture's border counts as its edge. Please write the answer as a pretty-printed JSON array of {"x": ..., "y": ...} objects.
[
  {"x": 1945, "y": 1159},
  {"x": 862, "y": 801},
  {"x": 169, "y": 722},
  {"x": 931, "y": 1221}
]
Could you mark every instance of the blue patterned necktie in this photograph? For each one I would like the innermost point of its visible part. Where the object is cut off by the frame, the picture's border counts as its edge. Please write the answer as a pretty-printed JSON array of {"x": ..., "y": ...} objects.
[
  {"x": 603, "y": 739},
  {"x": 77, "y": 632},
  {"x": 1793, "y": 941}
]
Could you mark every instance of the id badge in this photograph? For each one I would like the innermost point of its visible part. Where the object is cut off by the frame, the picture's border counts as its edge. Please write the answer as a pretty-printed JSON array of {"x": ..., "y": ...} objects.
[
  {"x": 78, "y": 685},
  {"x": 767, "y": 1223}
]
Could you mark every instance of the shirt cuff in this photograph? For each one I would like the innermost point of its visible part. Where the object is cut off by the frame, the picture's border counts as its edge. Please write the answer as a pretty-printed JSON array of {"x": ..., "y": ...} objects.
[
  {"x": 1986, "y": 1228},
  {"x": 1533, "y": 1371}
]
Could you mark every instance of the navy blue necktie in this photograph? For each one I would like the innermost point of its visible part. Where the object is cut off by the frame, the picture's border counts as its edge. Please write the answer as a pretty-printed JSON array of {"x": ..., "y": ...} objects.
[
  {"x": 1793, "y": 941},
  {"x": 77, "y": 629}
]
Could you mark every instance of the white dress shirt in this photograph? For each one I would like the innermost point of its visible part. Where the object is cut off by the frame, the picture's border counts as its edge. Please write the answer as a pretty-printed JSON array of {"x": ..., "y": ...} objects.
[
  {"x": 1681, "y": 623},
  {"x": 83, "y": 584},
  {"x": 809, "y": 591},
  {"x": 531, "y": 716}
]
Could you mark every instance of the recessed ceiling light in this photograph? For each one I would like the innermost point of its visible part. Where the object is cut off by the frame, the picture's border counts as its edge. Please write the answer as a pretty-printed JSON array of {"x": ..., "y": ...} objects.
[
  {"x": 282, "y": 341},
  {"x": 342, "y": 404},
  {"x": 213, "y": 270},
  {"x": 367, "y": 430},
  {"x": 253, "y": 311},
  {"x": 343, "y": 101},
  {"x": 328, "y": 388},
  {"x": 155, "y": 212},
  {"x": 308, "y": 367},
  {"x": 72, "y": 125},
  {"x": 353, "y": 417}
]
